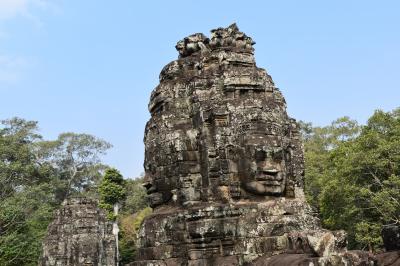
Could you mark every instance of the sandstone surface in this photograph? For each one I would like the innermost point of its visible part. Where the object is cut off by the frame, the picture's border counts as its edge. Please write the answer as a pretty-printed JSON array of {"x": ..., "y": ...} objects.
[
  {"x": 224, "y": 167},
  {"x": 79, "y": 235}
]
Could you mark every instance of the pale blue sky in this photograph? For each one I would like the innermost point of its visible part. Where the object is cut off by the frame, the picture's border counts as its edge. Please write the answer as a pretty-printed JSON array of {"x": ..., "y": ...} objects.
[{"x": 90, "y": 65}]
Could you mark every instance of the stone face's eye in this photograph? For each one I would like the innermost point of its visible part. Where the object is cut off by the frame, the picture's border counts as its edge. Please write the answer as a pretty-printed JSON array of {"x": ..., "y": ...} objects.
[
  {"x": 278, "y": 155},
  {"x": 260, "y": 155}
]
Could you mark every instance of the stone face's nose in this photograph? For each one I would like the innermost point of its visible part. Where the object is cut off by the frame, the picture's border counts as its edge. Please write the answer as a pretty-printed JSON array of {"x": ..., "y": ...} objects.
[{"x": 148, "y": 185}]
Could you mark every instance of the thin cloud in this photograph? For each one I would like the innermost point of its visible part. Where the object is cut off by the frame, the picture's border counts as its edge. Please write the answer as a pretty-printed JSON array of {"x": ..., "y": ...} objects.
[
  {"x": 14, "y": 8},
  {"x": 11, "y": 9}
]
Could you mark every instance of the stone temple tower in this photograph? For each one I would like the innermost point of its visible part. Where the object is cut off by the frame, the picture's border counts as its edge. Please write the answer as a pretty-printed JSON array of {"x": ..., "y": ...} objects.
[
  {"x": 80, "y": 234},
  {"x": 224, "y": 166}
]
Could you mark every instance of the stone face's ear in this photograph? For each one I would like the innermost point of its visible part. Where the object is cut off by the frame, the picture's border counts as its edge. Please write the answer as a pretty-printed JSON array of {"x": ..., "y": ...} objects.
[{"x": 297, "y": 154}]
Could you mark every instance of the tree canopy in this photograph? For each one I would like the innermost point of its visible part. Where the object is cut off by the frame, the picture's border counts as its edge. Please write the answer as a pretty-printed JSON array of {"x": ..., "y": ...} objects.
[
  {"x": 36, "y": 175},
  {"x": 353, "y": 175},
  {"x": 111, "y": 190}
]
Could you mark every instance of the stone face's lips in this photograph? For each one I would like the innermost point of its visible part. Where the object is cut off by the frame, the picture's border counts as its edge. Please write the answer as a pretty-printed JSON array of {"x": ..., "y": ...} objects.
[
  {"x": 263, "y": 176},
  {"x": 268, "y": 178},
  {"x": 155, "y": 197},
  {"x": 270, "y": 183},
  {"x": 270, "y": 171}
]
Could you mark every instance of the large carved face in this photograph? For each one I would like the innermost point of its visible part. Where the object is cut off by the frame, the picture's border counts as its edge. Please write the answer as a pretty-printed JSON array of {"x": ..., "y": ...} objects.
[
  {"x": 157, "y": 192},
  {"x": 263, "y": 165},
  {"x": 156, "y": 180},
  {"x": 219, "y": 130}
]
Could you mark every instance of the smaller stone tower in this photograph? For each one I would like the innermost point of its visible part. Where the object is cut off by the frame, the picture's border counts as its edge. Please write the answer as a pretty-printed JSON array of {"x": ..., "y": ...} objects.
[{"x": 79, "y": 235}]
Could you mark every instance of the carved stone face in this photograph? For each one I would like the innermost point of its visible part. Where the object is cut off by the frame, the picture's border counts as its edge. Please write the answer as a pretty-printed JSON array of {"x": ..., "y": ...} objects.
[
  {"x": 263, "y": 167},
  {"x": 154, "y": 196},
  {"x": 219, "y": 131},
  {"x": 157, "y": 186}
]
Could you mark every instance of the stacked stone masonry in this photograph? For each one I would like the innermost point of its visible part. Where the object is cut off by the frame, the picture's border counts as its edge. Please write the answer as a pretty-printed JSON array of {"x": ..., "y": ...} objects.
[
  {"x": 224, "y": 166},
  {"x": 80, "y": 235}
]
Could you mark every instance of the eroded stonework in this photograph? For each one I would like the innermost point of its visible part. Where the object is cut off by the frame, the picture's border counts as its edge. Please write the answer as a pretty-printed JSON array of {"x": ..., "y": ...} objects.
[
  {"x": 224, "y": 166},
  {"x": 79, "y": 235},
  {"x": 219, "y": 131}
]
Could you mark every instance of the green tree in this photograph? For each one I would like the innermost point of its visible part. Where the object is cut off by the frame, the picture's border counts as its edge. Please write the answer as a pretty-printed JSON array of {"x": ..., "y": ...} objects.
[
  {"x": 134, "y": 209},
  {"x": 352, "y": 175},
  {"x": 136, "y": 199},
  {"x": 18, "y": 168},
  {"x": 35, "y": 176},
  {"x": 23, "y": 222},
  {"x": 76, "y": 158},
  {"x": 130, "y": 225},
  {"x": 319, "y": 142},
  {"x": 112, "y": 191}
]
